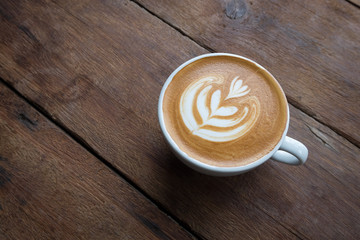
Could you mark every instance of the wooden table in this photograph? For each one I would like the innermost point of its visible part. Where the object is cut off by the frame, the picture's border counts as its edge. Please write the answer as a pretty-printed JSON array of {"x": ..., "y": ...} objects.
[{"x": 81, "y": 151}]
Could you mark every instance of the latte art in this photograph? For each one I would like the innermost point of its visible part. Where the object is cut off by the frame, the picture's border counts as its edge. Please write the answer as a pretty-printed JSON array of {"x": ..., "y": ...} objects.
[{"x": 219, "y": 119}]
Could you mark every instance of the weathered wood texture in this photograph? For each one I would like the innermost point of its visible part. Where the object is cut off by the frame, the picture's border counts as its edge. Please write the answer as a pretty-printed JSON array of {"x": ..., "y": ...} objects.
[
  {"x": 52, "y": 188},
  {"x": 97, "y": 68},
  {"x": 312, "y": 48}
]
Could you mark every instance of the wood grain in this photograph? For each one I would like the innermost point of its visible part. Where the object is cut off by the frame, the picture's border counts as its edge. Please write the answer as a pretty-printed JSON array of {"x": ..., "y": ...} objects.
[
  {"x": 311, "y": 47},
  {"x": 79, "y": 63},
  {"x": 52, "y": 188}
]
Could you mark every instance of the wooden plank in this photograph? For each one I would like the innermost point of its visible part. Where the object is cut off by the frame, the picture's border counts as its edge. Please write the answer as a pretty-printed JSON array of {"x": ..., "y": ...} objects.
[
  {"x": 97, "y": 98},
  {"x": 311, "y": 47},
  {"x": 51, "y": 187}
]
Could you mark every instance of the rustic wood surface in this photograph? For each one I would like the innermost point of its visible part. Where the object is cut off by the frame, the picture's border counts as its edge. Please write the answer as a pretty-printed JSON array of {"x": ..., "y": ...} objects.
[
  {"x": 50, "y": 186},
  {"x": 96, "y": 70}
]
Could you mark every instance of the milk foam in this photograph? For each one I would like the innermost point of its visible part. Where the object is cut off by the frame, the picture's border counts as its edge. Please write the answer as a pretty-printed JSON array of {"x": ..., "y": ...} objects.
[{"x": 220, "y": 121}]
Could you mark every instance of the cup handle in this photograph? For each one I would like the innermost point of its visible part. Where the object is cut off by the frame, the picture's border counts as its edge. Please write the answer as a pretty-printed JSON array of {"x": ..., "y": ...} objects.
[{"x": 291, "y": 152}]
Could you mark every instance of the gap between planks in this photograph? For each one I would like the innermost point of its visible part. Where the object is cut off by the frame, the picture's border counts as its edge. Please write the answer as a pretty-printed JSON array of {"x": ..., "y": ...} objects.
[
  {"x": 355, "y": 3},
  {"x": 291, "y": 101}
]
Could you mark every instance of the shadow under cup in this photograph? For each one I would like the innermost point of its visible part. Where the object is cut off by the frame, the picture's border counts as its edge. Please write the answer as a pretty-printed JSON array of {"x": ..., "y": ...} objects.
[{"x": 221, "y": 118}]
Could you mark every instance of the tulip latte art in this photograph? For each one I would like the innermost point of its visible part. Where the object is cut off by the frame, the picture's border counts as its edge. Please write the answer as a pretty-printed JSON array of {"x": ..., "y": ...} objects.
[
  {"x": 224, "y": 111},
  {"x": 219, "y": 122}
]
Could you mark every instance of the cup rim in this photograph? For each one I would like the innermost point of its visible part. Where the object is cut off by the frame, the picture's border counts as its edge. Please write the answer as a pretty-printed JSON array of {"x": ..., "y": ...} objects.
[{"x": 197, "y": 163}]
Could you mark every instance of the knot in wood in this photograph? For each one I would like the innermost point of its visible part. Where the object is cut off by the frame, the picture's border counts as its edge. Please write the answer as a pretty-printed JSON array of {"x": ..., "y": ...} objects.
[{"x": 235, "y": 9}]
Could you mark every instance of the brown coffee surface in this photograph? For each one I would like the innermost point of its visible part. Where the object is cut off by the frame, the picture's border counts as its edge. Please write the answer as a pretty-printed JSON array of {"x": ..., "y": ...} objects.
[{"x": 224, "y": 111}]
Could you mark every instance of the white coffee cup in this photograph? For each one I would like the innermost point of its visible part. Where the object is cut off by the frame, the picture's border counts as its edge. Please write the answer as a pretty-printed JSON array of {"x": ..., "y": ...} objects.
[{"x": 288, "y": 150}]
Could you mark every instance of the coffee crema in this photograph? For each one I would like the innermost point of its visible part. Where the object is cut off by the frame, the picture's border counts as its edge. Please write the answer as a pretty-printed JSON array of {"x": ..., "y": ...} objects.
[{"x": 224, "y": 111}]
